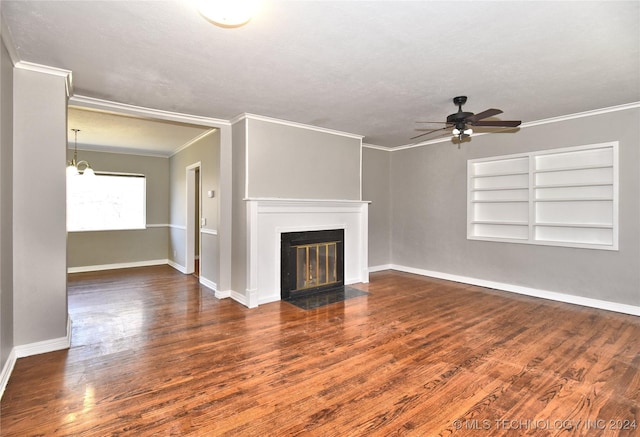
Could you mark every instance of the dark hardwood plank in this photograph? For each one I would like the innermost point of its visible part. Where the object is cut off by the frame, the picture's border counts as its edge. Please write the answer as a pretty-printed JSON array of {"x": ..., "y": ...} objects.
[{"x": 154, "y": 353}]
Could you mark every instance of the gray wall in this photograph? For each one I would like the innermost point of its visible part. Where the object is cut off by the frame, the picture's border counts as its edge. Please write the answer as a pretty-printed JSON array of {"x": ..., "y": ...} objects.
[
  {"x": 39, "y": 218},
  {"x": 6, "y": 205},
  {"x": 376, "y": 187},
  {"x": 297, "y": 163},
  {"x": 126, "y": 246},
  {"x": 239, "y": 213},
  {"x": 429, "y": 214},
  {"x": 207, "y": 152},
  {"x": 275, "y": 160}
]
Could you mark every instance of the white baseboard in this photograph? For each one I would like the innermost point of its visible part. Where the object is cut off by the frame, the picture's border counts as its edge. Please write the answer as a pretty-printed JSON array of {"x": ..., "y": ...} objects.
[
  {"x": 223, "y": 294},
  {"x": 27, "y": 350},
  {"x": 42, "y": 347},
  {"x": 208, "y": 283},
  {"x": 533, "y": 292},
  {"x": 178, "y": 267},
  {"x": 153, "y": 262},
  {"x": 240, "y": 298},
  {"x": 380, "y": 268},
  {"x": 6, "y": 371}
]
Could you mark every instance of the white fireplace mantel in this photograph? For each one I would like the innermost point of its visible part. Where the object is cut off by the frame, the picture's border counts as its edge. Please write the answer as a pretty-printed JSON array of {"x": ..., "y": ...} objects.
[{"x": 267, "y": 219}]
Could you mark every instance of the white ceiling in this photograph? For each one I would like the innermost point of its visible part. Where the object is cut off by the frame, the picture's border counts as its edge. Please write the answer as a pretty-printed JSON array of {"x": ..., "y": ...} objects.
[{"x": 366, "y": 67}]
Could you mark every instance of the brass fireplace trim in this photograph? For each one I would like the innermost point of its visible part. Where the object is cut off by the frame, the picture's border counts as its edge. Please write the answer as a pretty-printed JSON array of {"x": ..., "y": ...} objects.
[{"x": 312, "y": 276}]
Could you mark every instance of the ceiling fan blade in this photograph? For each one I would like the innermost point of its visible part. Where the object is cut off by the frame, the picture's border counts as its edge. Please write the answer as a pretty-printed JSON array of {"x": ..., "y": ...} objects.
[
  {"x": 429, "y": 132},
  {"x": 435, "y": 122},
  {"x": 498, "y": 123},
  {"x": 483, "y": 114}
]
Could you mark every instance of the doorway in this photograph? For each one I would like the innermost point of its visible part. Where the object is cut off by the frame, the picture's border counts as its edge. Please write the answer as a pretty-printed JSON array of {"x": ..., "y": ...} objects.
[{"x": 194, "y": 219}]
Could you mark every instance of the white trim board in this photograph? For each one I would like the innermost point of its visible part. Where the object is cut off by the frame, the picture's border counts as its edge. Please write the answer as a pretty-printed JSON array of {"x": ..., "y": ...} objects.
[
  {"x": 42, "y": 347},
  {"x": 178, "y": 267},
  {"x": 209, "y": 284},
  {"x": 380, "y": 268},
  {"x": 27, "y": 350},
  {"x": 45, "y": 69},
  {"x": 96, "y": 268},
  {"x": 527, "y": 291},
  {"x": 223, "y": 294},
  {"x": 140, "y": 111},
  {"x": 193, "y": 141},
  {"x": 248, "y": 116},
  {"x": 7, "y": 370}
]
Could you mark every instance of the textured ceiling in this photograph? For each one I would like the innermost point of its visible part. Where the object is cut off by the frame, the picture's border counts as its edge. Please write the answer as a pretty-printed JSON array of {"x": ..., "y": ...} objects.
[{"x": 368, "y": 68}]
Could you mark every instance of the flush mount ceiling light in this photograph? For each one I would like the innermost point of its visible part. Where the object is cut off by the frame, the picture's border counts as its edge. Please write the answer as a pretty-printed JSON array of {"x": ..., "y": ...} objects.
[
  {"x": 73, "y": 166},
  {"x": 228, "y": 13}
]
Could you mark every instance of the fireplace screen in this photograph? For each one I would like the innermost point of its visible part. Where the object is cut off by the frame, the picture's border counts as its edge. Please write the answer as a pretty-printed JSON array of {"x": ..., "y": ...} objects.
[
  {"x": 311, "y": 261},
  {"x": 316, "y": 265}
]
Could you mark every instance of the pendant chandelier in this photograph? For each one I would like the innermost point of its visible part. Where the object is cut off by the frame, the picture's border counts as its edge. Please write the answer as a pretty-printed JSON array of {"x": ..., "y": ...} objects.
[{"x": 75, "y": 167}]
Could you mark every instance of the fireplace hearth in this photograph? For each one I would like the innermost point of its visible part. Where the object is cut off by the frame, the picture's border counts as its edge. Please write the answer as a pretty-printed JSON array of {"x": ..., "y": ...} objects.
[{"x": 311, "y": 262}]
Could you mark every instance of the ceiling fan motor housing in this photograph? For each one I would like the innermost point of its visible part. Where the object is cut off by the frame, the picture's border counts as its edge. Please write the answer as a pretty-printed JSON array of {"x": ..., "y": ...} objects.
[{"x": 459, "y": 117}]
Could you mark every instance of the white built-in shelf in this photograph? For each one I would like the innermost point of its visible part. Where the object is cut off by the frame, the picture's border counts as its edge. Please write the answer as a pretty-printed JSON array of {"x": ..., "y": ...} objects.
[
  {"x": 560, "y": 197},
  {"x": 571, "y": 185},
  {"x": 572, "y": 168},
  {"x": 576, "y": 199},
  {"x": 500, "y": 201},
  {"x": 496, "y": 174},
  {"x": 512, "y": 187},
  {"x": 574, "y": 225},
  {"x": 497, "y": 222}
]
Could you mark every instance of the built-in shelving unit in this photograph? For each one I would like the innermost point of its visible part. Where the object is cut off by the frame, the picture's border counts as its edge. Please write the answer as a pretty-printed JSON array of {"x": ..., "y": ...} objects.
[{"x": 562, "y": 197}]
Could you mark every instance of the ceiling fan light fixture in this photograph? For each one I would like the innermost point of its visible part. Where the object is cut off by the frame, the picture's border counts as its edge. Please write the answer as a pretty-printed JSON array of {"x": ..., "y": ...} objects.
[
  {"x": 228, "y": 13},
  {"x": 461, "y": 119}
]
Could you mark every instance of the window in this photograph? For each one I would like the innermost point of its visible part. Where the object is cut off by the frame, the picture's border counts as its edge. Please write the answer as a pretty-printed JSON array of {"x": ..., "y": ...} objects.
[
  {"x": 563, "y": 197},
  {"x": 106, "y": 202}
]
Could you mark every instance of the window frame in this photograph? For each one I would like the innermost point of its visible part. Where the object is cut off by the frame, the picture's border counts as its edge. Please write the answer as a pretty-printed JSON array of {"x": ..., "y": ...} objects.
[{"x": 143, "y": 224}]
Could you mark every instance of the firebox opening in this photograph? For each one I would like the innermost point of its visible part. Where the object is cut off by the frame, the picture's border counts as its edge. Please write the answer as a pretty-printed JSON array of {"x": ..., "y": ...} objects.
[{"x": 311, "y": 261}]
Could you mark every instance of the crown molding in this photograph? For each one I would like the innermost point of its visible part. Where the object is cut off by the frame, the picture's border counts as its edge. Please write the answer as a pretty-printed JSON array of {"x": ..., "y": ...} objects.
[
  {"x": 193, "y": 141},
  {"x": 45, "y": 69},
  {"x": 120, "y": 151},
  {"x": 591, "y": 113},
  {"x": 373, "y": 146},
  {"x": 607, "y": 110},
  {"x": 8, "y": 41},
  {"x": 248, "y": 116},
  {"x": 238, "y": 118},
  {"x": 141, "y": 111}
]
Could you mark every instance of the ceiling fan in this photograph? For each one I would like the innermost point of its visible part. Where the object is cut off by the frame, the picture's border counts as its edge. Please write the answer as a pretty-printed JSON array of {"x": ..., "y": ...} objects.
[{"x": 461, "y": 120}]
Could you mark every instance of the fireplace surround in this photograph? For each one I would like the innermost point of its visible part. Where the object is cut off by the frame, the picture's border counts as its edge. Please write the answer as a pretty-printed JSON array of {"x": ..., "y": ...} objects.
[{"x": 268, "y": 219}]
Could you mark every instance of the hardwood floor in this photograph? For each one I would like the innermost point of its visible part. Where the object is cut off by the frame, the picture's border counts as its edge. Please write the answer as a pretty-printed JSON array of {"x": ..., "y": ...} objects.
[{"x": 154, "y": 353}]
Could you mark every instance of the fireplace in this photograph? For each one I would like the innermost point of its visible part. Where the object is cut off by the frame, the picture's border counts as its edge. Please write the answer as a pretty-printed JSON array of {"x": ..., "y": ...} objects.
[
  {"x": 311, "y": 261},
  {"x": 268, "y": 219}
]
